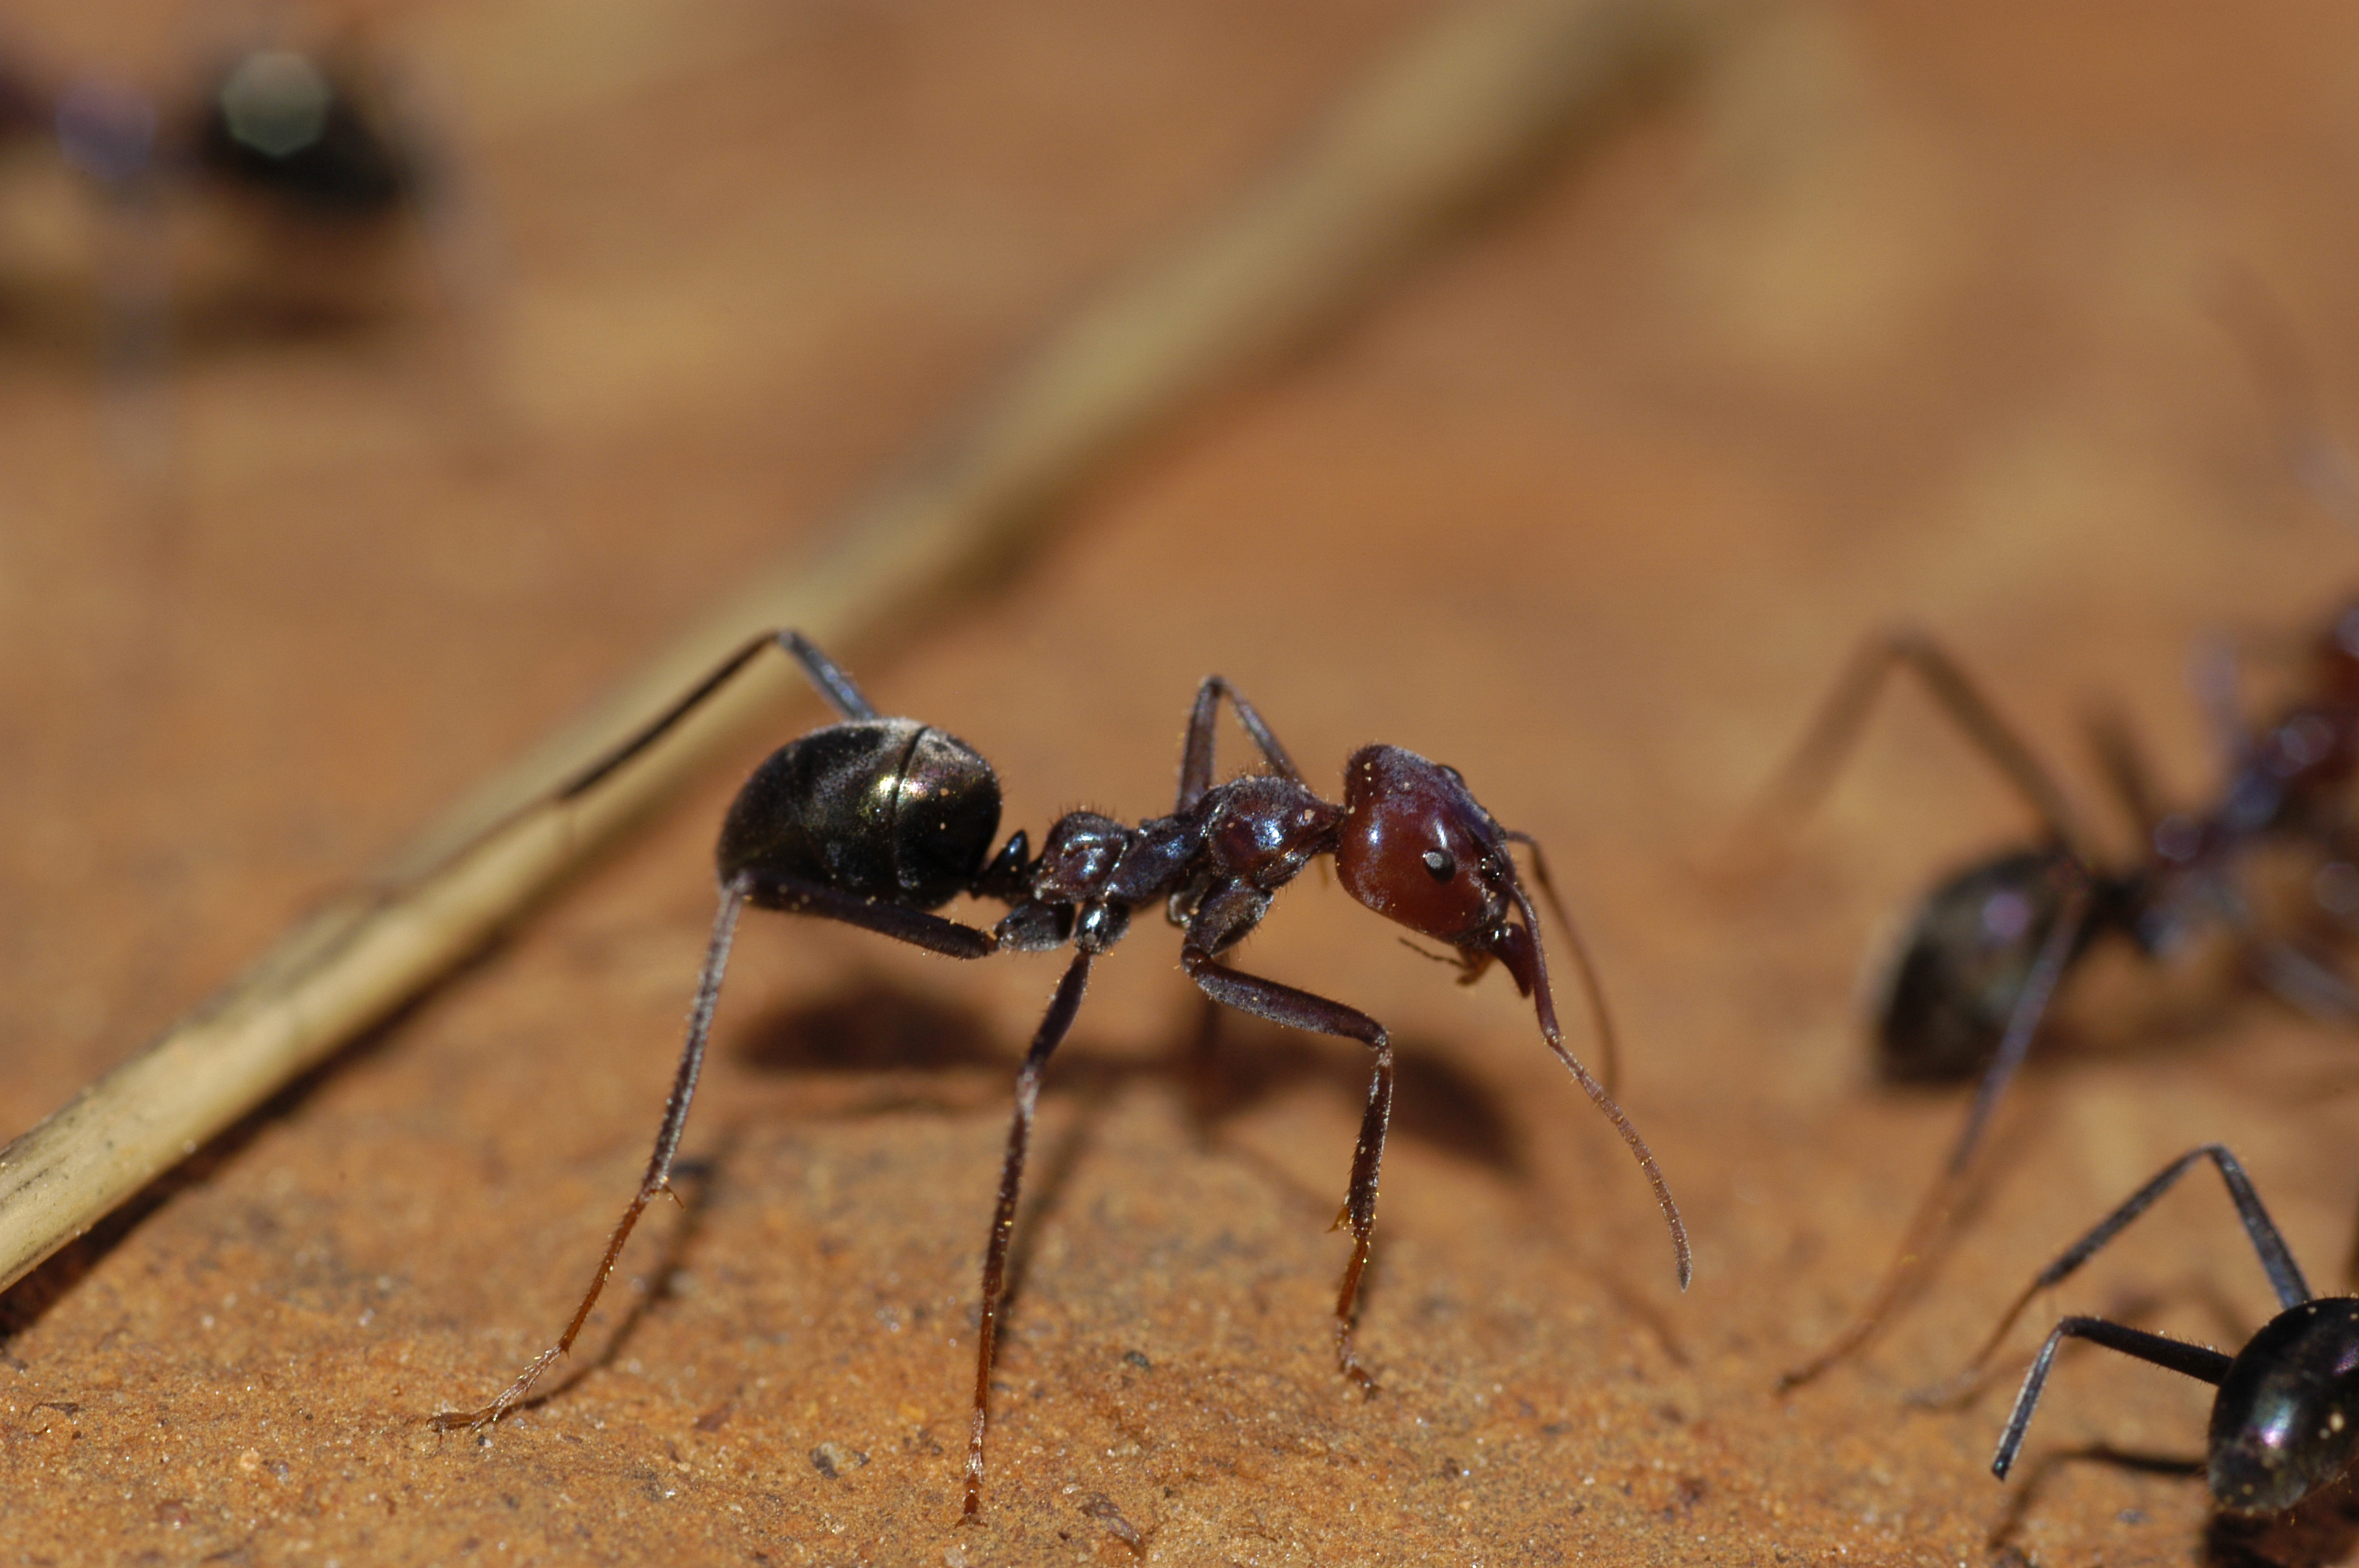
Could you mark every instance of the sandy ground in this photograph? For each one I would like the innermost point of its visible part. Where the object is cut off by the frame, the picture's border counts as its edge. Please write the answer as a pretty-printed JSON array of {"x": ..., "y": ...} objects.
[{"x": 1900, "y": 313}]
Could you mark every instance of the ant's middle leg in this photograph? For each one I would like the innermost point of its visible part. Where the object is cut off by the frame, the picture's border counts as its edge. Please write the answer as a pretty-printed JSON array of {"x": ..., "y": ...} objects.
[
  {"x": 2122, "y": 763},
  {"x": 1053, "y": 1027},
  {"x": 1223, "y": 917},
  {"x": 934, "y": 933},
  {"x": 1196, "y": 755}
]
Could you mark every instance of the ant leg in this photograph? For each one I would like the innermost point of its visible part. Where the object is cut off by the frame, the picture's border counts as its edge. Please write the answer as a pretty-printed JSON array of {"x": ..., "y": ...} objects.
[
  {"x": 1609, "y": 1049},
  {"x": 2212, "y": 672},
  {"x": 2276, "y": 1259},
  {"x": 1932, "y": 1216},
  {"x": 2351, "y": 1266},
  {"x": 1221, "y": 920},
  {"x": 1833, "y": 734},
  {"x": 659, "y": 1177},
  {"x": 1196, "y": 755},
  {"x": 2121, "y": 762},
  {"x": 1053, "y": 1025},
  {"x": 2193, "y": 1361},
  {"x": 935, "y": 933},
  {"x": 1301, "y": 1010},
  {"x": 833, "y": 685},
  {"x": 2308, "y": 984},
  {"x": 2256, "y": 318}
]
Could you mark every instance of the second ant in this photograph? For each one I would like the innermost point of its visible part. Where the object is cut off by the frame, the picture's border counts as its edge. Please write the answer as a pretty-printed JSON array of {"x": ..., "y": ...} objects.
[{"x": 1981, "y": 956}]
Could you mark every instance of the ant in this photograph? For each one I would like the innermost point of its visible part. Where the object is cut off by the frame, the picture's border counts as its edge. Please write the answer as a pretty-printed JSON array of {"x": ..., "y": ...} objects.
[
  {"x": 2286, "y": 1420},
  {"x": 309, "y": 169},
  {"x": 308, "y": 134},
  {"x": 1982, "y": 956},
  {"x": 878, "y": 822},
  {"x": 304, "y": 138}
]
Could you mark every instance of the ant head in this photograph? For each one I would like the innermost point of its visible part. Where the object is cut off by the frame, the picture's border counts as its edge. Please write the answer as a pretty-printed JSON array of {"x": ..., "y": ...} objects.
[
  {"x": 1964, "y": 962},
  {"x": 2285, "y": 1421},
  {"x": 1417, "y": 847}
]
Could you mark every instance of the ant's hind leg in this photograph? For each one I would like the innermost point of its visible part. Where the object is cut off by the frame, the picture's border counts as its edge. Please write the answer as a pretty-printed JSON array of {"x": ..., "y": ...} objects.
[
  {"x": 1836, "y": 729},
  {"x": 658, "y": 1174},
  {"x": 824, "y": 674},
  {"x": 2277, "y": 1258},
  {"x": 1931, "y": 1220},
  {"x": 934, "y": 933}
]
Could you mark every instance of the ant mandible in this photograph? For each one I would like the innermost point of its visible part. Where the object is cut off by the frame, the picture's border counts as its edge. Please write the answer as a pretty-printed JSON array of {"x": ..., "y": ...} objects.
[
  {"x": 1984, "y": 954},
  {"x": 2286, "y": 1420},
  {"x": 878, "y": 822}
]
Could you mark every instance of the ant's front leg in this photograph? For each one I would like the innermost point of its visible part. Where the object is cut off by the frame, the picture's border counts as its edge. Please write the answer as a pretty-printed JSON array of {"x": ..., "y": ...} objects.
[
  {"x": 1224, "y": 916},
  {"x": 1053, "y": 1027}
]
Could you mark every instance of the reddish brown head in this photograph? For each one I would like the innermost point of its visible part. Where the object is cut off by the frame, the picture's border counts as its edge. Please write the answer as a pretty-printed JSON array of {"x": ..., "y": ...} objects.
[{"x": 1417, "y": 847}]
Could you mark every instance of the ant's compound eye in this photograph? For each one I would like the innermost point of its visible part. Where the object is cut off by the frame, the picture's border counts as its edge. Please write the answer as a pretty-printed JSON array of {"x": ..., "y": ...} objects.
[{"x": 1441, "y": 864}]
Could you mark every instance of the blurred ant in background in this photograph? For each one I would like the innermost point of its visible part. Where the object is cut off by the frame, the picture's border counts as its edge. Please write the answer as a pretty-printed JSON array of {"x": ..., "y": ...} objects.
[
  {"x": 1980, "y": 960},
  {"x": 291, "y": 191},
  {"x": 1983, "y": 954}
]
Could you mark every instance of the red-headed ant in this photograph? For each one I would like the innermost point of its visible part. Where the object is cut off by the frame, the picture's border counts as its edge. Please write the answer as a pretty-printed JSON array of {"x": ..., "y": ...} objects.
[
  {"x": 1982, "y": 956},
  {"x": 878, "y": 822},
  {"x": 2286, "y": 1420}
]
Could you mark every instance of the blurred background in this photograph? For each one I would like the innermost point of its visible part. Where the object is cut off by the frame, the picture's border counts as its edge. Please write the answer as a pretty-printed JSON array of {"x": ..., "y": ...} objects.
[{"x": 1860, "y": 314}]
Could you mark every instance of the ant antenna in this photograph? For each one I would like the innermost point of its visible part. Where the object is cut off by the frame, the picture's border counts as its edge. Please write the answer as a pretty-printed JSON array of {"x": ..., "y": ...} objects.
[
  {"x": 1545, "y": 1001},
  {"x": 1609, "y": 1045}
]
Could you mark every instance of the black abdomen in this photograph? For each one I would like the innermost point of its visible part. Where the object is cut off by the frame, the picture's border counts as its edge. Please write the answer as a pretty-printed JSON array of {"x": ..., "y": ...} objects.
[
  {"x": 1962, "y": 969},
  {"x": 881, "y": 808}
]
